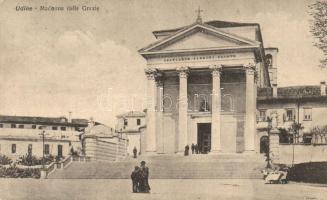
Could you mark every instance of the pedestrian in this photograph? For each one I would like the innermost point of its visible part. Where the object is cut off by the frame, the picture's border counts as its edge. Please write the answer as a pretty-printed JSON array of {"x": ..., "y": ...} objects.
[
  {"x": 135, "y": 152},
  {"x": 187, "y": 148},
  {"x": 144, "y": 180},
  {"x": 196, "y": 148},
  {"x": 135, "y": 176},
  {"x": 193, "y": 148}
]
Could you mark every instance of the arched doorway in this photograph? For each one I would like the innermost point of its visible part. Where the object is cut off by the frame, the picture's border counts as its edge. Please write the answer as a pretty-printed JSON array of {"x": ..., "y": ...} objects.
[{"x": 264, "y": 144}]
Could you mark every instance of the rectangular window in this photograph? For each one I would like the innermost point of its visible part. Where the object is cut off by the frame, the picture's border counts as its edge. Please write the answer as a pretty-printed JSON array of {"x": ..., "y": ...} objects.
[
  {"x": 55, "y": 128},
  {"x": 125, "y": 122},
  {"x": 46, "y": 149},
  {"x": 138, "y": 122},
  {"x": 21, "y": 126},
  {"x": 33, "y": 126},
  {"x": 262, "y": 115},
  {"x": 29, "y": 149},
  {"x": 13, "y": 148},
  {"x": 290, "y": 115},
  {"x": 13, "y": 125},
  {"x": 63, "y": 128},
  {"x": 1, "y": 125},
  {"x": 307, "y": 112}
]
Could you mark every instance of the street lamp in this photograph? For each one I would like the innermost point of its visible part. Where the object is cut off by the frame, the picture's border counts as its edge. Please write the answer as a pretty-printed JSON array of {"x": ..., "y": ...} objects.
[{"x": 43, "y": 149}]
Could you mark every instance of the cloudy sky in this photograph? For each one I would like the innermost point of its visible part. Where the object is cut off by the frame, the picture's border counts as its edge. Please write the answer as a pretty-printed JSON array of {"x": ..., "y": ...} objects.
[{"x": 87, "y": 62}]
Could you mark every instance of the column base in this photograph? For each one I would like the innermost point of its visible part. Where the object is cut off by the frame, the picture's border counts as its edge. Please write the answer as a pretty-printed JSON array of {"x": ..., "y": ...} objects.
[
  {"x": 150, "y": 153},
  {"x": 180, "y": 153},
  {"x": 215, "y": 152},
  {"x": 250, "y": 152}
]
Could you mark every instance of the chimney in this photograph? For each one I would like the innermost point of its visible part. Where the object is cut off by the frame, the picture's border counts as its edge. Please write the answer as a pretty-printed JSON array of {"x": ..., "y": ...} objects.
[
  {"x": 323, "y": 88},
  {"x": 69, "y": 117},
  {"x": 274, "y": 86}
]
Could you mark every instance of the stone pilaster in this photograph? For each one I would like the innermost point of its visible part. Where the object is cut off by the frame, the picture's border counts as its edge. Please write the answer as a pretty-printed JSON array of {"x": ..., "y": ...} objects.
[
  {"x": 216, "y": 109},
  {"x": 151, "y": 110},
  {"x": 250, "y": 108},
  {"x": 182, "y": 108}
]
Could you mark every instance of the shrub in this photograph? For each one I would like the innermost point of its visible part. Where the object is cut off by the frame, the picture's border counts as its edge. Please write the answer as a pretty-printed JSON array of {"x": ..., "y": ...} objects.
[
  {"x": 14, "y": 172},
  {"x": 4, "y": 160},
  {"x": 314, "y": 172},
  {"x": 30, "y": 160}
]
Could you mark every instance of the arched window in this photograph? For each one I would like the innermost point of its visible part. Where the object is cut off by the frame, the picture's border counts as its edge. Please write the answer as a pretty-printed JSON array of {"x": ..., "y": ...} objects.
[{"x": 269, "y": 60}]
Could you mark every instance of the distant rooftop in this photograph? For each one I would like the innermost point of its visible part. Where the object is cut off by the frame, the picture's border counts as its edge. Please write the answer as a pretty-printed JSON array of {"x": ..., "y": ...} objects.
[
  {"x": 42, "y": 120},
  {"x": 293, "y": 92},
  {"x": 132, "y": 114}
]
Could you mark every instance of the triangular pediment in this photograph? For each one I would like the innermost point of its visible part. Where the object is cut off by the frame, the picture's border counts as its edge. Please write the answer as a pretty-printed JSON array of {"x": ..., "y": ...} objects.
[
  {"x": 199, "y": 36},
  {"x": 200, "y": 40}
]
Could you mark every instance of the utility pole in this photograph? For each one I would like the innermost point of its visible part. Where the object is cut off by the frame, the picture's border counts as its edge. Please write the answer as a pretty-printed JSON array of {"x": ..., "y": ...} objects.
[{"x": 268, "y": 131}]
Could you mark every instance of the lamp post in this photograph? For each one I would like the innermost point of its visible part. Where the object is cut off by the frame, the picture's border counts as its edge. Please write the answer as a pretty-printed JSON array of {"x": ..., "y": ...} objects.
[{"x": 42, "y": 134}]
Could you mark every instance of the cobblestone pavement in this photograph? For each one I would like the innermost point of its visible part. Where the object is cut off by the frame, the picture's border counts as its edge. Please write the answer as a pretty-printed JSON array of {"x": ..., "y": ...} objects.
[{"x": 161, "y": 189}]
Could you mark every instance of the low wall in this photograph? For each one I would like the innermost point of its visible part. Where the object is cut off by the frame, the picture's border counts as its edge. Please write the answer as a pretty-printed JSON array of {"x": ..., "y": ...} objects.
[{"x": 302, "y": 153}]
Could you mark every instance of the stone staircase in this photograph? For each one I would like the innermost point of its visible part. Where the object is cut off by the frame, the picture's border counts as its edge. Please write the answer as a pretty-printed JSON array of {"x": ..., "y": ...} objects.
[{"x": 170, "y": 167}]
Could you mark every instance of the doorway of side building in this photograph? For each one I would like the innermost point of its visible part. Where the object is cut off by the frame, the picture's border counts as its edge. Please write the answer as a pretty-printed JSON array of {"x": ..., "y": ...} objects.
[
  {"x": 264, "y": 144},
  {"x": 59, "y": 150},
  {"x": 204, "y": 137}
]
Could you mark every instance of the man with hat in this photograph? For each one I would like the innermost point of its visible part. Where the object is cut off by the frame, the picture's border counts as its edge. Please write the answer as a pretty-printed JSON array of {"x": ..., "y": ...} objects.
[{"x": 144, "y": 180}]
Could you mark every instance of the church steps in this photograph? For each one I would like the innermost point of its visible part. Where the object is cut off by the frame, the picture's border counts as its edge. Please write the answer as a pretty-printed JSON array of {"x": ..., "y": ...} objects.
[{"x": 173, "y": 167}]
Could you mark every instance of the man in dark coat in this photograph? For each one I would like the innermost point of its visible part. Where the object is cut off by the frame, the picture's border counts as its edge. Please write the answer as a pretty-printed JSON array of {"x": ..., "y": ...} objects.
[
  {"x": 193, "y": 148},
  {"x": 196, "y": 148},
  {"x": 144, "y": 181},
  {"x": 135, "y": 176}
]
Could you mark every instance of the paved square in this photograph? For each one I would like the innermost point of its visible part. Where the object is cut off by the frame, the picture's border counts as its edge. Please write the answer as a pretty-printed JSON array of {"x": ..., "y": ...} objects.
[{"x": 161, "y": 189}]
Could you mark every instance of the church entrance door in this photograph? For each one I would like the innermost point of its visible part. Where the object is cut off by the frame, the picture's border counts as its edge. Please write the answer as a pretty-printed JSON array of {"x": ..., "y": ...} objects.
[{"x": 204, "y": 137}]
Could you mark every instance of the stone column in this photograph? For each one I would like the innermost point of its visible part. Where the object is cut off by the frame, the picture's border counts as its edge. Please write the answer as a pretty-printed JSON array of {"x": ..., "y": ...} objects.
[
  {"x": 159, "y": 117},
  {"x": 151, "y": 110},
  {"x": 216, "y": 109},
  {"x": 182, "y": 109},
  {"x": 250, "y": 109}
]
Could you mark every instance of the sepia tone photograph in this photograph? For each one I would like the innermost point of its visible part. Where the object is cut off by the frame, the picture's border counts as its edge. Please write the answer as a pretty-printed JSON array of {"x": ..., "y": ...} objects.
[{"x": 163, "y": 99}]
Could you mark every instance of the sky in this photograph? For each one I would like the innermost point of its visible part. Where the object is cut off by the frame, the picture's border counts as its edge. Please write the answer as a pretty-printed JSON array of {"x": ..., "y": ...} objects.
[{"x": 86, "y": 62}]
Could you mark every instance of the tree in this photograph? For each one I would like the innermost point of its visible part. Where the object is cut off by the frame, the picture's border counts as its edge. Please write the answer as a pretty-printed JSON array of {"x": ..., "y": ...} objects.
[{"x": 318, "y": 28}]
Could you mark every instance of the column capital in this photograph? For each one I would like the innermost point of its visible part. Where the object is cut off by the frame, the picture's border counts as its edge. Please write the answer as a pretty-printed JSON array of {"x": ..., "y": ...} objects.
[
  {"x": 216, "y": 70},
  {"x": 159, "y": 79},
  {"x": 250, "y": 68},
  {"x": 183, "y": 72},
  {"x": 151, "y": 73}
]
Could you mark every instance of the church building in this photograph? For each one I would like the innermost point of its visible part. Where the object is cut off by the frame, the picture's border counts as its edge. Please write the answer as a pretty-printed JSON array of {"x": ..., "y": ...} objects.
[{"x": 202, "y": 83}]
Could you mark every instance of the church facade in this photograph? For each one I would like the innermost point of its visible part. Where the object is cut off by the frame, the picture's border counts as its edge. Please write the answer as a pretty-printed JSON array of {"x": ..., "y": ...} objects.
[{"x": 202, "y": 83}]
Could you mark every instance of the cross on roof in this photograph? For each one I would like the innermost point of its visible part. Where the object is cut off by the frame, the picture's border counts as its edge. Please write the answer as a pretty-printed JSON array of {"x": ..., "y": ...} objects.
[{"x": 199, "y": 19}]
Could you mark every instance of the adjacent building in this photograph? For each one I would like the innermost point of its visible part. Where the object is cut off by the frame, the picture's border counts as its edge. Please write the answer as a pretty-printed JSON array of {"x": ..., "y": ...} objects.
[
  {"x": 130, "y": 124},
  {"x": 20, "y": 135},
  {"x": 101, "y": 142}
]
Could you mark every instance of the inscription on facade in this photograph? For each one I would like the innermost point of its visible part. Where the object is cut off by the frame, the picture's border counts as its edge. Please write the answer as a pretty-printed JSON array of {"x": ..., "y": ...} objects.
[{"x": 192, "y": 58}]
